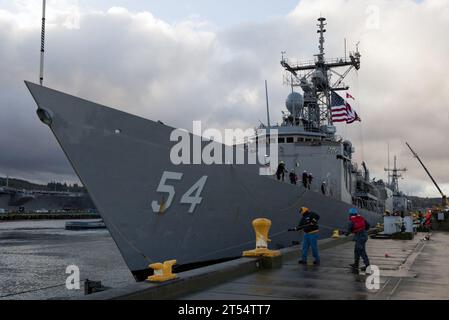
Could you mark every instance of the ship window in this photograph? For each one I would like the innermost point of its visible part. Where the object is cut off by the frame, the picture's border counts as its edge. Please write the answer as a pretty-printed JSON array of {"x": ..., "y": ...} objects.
[
  {"x": 281, "y": 140},
  {"x": 307, "y": 140},
  {"x": 300, "y": 139},
  {"x": 290, "y": 140}
]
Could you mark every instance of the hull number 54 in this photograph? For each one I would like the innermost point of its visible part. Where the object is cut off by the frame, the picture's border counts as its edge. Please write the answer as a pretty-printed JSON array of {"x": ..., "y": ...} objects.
[{"x": 192, "y": 196}]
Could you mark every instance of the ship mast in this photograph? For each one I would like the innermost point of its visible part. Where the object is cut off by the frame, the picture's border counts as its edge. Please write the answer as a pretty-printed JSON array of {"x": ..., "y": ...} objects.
[
  {"x": 315, "y": 79},
  {"x": 321, "y": 31},
  {"x": 394, "y": 174}
]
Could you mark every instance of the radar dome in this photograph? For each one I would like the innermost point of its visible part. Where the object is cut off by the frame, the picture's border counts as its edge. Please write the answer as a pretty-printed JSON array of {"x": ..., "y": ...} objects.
[{"x": 294, "y": 103}]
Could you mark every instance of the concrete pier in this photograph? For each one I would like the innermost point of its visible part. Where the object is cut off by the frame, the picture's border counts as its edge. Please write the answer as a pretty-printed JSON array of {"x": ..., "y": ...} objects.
[{"x": 409, "y": 269}]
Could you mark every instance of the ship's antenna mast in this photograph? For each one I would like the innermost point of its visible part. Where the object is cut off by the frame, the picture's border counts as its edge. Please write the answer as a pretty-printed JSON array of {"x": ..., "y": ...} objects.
[
  {"x": 321, "y": 31},
  {"x": 41, "y": 74},
  {"x": 395, "y": 175},
  {"x": 268, "y": 106},
  {"x": 314, "y": 78}
]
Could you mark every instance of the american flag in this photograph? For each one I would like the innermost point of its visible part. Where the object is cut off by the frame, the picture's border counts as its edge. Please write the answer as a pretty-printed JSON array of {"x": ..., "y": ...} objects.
[
  {"x": 352, "y": 115},
  {"x": 341, "y": 110}
]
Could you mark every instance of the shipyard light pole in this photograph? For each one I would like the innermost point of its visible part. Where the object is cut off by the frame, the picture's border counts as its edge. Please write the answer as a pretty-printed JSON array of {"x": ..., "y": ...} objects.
[{"x": 41, "y": 73}]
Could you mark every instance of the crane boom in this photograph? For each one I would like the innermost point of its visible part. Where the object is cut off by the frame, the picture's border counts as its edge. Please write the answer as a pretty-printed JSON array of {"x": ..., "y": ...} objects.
[{"x": 433, "y": 180}]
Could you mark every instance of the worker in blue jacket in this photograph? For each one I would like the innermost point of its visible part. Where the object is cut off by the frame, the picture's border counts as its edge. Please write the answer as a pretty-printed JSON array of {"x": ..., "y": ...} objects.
[{"x": 309, "y": 223}]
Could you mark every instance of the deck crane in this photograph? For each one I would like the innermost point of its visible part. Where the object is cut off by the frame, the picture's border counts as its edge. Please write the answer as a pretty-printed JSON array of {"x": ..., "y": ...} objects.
[{"x": 443, "y": 196}]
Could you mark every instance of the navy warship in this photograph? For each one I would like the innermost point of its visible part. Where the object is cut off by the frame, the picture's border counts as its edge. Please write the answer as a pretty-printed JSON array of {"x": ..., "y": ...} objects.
[{"x": 158, "y": 210}]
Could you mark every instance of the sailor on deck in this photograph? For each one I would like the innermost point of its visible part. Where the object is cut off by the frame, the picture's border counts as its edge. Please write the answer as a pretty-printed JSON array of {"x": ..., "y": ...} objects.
[
  {"x": 309, "y": 180},
  {"x": 305, "y": 179},
  {"x": 323, "y": 188},
  {"x": 293, "y": 177},
  {"x": 280, "y": 173}
]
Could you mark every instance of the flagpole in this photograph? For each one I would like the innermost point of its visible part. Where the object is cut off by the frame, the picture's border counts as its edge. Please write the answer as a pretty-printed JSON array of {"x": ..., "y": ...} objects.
[{"x": 41, "y": 74}]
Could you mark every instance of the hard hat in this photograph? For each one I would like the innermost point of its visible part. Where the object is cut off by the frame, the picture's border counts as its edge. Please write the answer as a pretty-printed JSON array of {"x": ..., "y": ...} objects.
[
  {"x": 304, "y": 210},
  {"x": 282, "y": 162},
  {"x": 353, "y": 211}
]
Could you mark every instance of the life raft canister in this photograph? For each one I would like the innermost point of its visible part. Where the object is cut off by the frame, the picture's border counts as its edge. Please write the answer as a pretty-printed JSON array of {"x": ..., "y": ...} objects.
[{"x": 358, "y": 224}]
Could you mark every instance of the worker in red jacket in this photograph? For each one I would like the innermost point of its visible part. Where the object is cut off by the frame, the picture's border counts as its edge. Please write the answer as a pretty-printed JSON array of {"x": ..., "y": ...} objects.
[
  {"x": 359, "y": 227},
  {"x": 428, "y": 220}
]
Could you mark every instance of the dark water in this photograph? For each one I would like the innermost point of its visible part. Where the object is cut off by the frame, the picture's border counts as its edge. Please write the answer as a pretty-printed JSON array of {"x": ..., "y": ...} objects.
[{"x": 35, "y": 254}]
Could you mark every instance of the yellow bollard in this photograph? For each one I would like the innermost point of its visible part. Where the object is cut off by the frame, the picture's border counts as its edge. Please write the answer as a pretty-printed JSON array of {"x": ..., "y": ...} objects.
[
  {"x": 336, "y": 234},
  {"x": 261, "y": 228},
  {"x": 162, "y": 272}
]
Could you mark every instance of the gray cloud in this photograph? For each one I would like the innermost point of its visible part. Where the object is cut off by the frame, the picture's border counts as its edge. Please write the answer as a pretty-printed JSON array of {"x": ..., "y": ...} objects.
[{"x": 190, "y": 71}]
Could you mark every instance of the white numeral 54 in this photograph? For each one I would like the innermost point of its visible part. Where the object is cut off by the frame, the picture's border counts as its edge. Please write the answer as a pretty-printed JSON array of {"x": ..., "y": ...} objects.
[{"x": 192, "y": 196}]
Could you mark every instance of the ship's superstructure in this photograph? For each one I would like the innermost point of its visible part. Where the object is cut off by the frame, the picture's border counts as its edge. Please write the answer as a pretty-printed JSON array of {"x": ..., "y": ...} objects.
[{"x": 307, "y": 135}]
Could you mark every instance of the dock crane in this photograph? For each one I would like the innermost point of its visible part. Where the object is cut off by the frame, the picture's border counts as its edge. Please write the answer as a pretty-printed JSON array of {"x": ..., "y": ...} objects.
[{"x": 444, "y": 202}]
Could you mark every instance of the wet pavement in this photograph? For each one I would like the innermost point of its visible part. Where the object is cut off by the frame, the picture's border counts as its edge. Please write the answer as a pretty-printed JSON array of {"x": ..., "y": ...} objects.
[
  {"x": 415, "y": 269},
  {"x": 34, "y": 255}
]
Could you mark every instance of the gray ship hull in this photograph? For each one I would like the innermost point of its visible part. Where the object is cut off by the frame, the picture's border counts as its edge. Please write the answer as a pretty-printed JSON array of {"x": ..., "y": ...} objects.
[{"x": 120, "y": 159}]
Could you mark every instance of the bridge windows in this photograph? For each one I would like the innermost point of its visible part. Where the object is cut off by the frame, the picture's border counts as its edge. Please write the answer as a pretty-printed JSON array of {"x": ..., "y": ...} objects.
[{"x": 297, "y": 139}]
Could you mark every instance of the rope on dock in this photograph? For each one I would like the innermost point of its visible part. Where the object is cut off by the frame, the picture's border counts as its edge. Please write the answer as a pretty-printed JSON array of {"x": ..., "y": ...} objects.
[{"x": 36, "y": 290}]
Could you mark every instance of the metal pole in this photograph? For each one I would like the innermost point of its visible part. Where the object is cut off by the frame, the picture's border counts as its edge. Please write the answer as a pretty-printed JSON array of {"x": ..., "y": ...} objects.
[
  {"x": 427, "y": 171},
  {"x": 395, "y": 175},
  {"x": 41, "y": 74},
  {"x": 268, "y": 106},
  {"x": 388, "y": 172}
]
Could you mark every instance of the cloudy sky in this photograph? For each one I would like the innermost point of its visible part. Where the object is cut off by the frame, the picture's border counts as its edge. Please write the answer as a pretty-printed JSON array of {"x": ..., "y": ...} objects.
[{"x": 207, "y": 60}]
